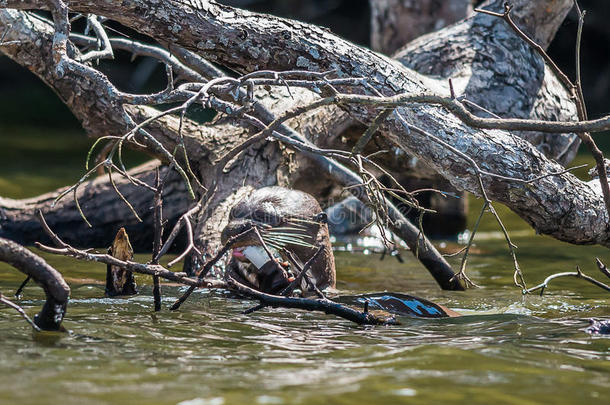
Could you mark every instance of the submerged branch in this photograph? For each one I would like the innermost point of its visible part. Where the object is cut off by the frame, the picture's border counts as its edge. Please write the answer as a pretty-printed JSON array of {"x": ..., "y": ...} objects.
[
  {"x": 578, "y": 274},
  {"x": 56, "y": 290},
  {"x": 322, "y": 305},
  {"x": 5, "y": 301}
]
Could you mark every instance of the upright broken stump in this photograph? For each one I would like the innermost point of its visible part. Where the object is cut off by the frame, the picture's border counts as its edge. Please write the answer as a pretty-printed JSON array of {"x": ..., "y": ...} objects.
[{"x": 120, "y": 281}]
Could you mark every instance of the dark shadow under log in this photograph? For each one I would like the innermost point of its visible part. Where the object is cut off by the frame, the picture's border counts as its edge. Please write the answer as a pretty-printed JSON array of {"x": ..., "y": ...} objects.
[
  {"x": 103, "y": 208},
  {"x": 56, "y": 290}
]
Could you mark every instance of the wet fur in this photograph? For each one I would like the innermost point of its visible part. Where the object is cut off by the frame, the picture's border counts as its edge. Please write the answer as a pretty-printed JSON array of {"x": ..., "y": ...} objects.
[{"x": 287, "y": 219}]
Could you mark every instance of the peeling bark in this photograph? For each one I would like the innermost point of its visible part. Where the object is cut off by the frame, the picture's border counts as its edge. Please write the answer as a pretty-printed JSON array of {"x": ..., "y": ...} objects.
[{"x": 559, "y": 205}]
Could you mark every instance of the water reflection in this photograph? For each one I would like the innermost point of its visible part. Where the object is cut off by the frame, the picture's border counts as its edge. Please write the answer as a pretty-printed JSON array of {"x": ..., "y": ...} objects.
[{"x": 507, "y": 349}]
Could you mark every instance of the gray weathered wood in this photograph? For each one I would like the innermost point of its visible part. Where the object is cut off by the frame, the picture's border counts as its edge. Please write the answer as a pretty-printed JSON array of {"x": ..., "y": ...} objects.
[
  {"x": 56, "y": 290},
  {"x": 245, "y": 42}
]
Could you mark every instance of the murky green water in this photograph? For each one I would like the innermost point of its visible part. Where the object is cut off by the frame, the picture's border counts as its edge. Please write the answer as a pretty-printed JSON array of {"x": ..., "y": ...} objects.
[{"x": 508, "y": 349}]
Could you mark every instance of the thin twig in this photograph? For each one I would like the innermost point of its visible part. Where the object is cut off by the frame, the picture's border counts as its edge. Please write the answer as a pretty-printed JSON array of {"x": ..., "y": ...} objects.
[
  {"x": 17, "y": 308},
  {"x": 323, "y": 305},
  {"x": 22, "y": 286},
  {"x": 301, "y": 269},
  {"x": 206, "y": 267},
  {"x": 370, "y": 131},
  {"x": 158, "y": 236},
  {"x": 578, "y": 274},
  {"x": 462, "y": 272}
]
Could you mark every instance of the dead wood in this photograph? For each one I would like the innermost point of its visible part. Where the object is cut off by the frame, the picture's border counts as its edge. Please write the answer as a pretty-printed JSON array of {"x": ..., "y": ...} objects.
[
  {"x": 56, "y": 290},
  {"x": 247, "y": 42}
]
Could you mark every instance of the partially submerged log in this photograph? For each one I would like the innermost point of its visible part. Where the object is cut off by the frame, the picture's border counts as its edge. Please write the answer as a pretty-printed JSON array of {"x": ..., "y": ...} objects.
[
  {"x": 56, "y": 290},
  {"x": 246, "y": 42},
  {"x": 106, "y": 212}
]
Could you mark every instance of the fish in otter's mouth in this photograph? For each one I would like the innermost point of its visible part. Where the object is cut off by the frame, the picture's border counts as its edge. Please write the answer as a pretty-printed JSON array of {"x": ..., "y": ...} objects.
[{"x": 288, "y": 221}]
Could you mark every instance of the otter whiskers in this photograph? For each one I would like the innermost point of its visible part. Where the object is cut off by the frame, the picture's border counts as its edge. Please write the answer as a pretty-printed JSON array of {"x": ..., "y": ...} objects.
[{"x": 279, "y": 237}]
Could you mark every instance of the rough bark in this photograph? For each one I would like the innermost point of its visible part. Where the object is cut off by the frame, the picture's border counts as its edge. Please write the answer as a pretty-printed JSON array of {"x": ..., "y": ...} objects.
[
  {"x": 496, "y": 69},
  {"x": 516, "y": 85},
  {"x": 246, "y": 42},
  {"x": 560, "y": 205},
  {"x": 56, "y": 290}
]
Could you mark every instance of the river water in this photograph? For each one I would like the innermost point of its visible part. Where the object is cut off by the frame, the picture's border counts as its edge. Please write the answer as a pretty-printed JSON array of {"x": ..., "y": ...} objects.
[{"x": 507, "y": 349}]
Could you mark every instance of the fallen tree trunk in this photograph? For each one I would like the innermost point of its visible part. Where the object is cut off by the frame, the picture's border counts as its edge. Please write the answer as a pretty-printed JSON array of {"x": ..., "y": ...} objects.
[
  {"x": 215, "y": 140},
  {"x": 106, "y": 212},
  {"x": 246, "y": 42},
  {"x": 559, "y": 205}
]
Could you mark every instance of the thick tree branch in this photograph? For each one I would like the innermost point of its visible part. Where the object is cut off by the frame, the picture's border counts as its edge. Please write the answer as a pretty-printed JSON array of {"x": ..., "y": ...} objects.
[
  {"x": 56, "y": 290},
  {"x": 232, "y": 36}
]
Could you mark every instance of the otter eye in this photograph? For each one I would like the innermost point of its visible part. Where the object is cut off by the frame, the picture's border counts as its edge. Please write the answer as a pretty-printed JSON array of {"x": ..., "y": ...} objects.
[
  {"x": 265, "y": 217},
  {"x": 236, "y": 212}
]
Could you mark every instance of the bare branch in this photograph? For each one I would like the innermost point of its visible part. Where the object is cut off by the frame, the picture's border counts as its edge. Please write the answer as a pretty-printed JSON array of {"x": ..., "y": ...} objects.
[
  {"x": 10, "y": 304},
  {"x": 100, "y": 32},
  {"x": 326, "y": 306},
  {"x": 578, "y": 274},
  {"x": 140, "y": 49}
]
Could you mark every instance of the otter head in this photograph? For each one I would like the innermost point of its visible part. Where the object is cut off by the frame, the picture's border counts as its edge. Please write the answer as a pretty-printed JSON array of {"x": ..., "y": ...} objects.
[{"x": 287, "y": 220}]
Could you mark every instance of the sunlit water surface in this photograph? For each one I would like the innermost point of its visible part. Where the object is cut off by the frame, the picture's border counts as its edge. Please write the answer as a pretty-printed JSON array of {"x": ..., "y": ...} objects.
[{"x": 508, "y": 349}]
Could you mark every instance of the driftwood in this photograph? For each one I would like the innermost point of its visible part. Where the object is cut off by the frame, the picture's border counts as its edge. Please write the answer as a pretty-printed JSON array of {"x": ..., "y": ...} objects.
[
  {"x": 486, "y": 162},
  {"x": 56, "y": 290},
  {"x": 487, "y": 64},
  {"x": 216, "y": 140}
]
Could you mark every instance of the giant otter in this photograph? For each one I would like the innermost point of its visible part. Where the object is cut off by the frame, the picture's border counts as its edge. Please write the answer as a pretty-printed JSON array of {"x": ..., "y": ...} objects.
[
  {"x": 293, "y": 220},
  {"x": 287, "y": 219}
]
